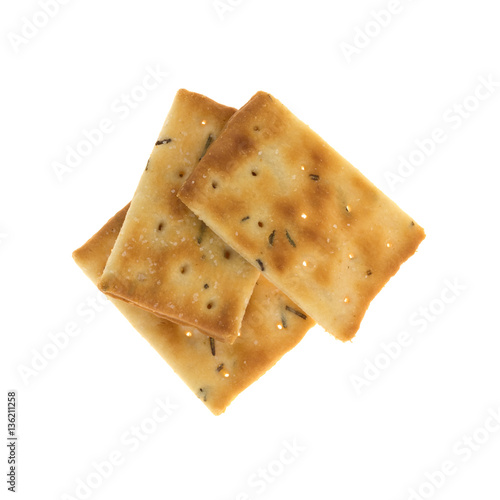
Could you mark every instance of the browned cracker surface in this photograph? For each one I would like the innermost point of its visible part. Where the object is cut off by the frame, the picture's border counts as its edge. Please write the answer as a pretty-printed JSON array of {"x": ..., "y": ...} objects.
[
  {"x": 165, "y": 259},
  {"x": 216, "y": 372},
  {"x": 304, "y": 216}
]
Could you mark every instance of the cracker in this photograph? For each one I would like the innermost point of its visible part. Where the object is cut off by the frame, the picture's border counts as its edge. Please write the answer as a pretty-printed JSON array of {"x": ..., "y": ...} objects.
[
  {"x": 216, "y": 372},
  {"x": 165, "y": 259},
  {"x": 305, "y": 217}
]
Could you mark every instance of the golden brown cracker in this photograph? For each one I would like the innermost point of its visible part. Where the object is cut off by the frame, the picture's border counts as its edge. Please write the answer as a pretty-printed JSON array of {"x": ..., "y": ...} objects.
[
  {"x": 165, "y": 259},
  {"x": 300, "y": 213},
  {"x": 216, "y": 372}
]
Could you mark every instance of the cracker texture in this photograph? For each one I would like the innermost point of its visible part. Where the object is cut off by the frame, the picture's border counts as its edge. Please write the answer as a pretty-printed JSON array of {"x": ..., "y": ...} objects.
[
  {"x": 268, "y": 331},
  {"x": 301, "y": 214},
  {"x": 165, "y": 259}
]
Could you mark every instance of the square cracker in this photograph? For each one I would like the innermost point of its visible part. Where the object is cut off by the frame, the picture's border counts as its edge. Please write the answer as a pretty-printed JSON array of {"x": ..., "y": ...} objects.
[
  {"x": 294, "y": 208},
  {"x": 165, "y": 259},
  {"x": 216, "y": 372}
]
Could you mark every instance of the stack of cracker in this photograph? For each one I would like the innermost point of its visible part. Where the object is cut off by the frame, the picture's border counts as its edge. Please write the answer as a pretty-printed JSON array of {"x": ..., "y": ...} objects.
[{"x": 245, "y": 230}]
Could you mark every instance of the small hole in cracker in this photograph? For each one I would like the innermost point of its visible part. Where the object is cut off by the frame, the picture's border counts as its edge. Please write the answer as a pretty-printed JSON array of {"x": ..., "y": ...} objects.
[
  {"x": 160, "y": 226},
  {"x": 256, "y": 128},
  {"x": 254, "y": 173},
  {"x": 181, "y": 174},
  {"x": 183, "y": 269},
  {"x": 260, "y": 224},
  {"x": 214, "y": 184},
  {"x": 227, "y": 254},
  {"x": 209, "y": 305}
]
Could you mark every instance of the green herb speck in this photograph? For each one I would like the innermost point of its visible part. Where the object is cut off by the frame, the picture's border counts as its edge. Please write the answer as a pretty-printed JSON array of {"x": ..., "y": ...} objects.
[{"x": 294, "y": 311}]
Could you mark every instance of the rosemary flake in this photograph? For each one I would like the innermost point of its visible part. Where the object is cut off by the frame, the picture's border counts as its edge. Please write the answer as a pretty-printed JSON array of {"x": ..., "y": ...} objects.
[
  {"x": 164, "y": 141},
  {"x": 294, "y": 311},
  {"x": 203, "y": 228},
  {"x": 207, "y": 145},
  {"x": 283, "y": 321},
  {"x": 203, "y": 393},
  {"x": 271, "y": 237},
  {"x": 289, "y": 238}
]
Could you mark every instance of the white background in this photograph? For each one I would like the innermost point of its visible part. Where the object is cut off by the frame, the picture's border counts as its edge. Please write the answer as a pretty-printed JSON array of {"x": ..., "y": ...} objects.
[{"x": 378, "y": 442}]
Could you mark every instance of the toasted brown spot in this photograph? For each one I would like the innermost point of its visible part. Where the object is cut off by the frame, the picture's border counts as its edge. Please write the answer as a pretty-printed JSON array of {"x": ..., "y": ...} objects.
[
  {"x": 286, "y": 209},
  {"x": 322, "y": 275},
  {"x": 280, "y": 259},
  {"x": 243, "y": 144},
  {"x": 318, "y": 157}
]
